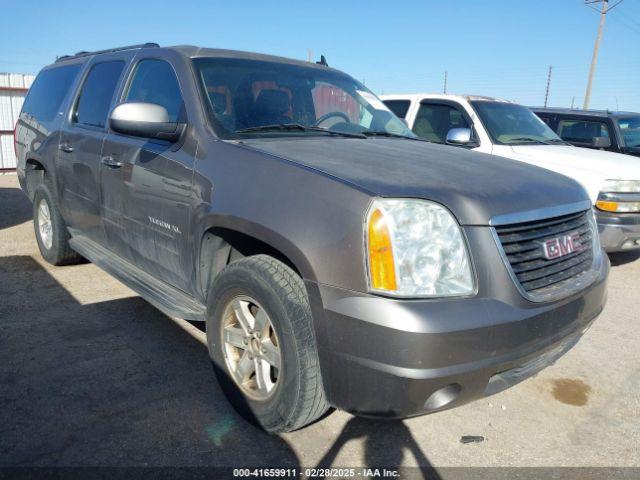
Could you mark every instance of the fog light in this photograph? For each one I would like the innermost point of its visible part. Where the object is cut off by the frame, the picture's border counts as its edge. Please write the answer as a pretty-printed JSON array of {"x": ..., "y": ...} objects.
[
  {"x": 631, "y": 244},
  {"x": 443, "y": 397}
]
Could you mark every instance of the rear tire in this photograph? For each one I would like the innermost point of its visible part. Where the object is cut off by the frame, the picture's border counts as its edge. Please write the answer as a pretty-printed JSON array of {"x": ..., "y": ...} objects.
[
  {"x": 51, "y": 231},
  {"x": 271, "y": 294}
]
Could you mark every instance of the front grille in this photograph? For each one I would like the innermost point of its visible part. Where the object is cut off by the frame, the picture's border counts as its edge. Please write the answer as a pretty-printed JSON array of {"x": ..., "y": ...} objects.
[{"x": 523, "y": 246}]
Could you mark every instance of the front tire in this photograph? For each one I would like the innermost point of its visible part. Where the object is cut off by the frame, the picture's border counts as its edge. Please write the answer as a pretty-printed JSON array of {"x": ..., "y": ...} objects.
[
  {"x": 51, "y": 231},
  {"x": 261, "y": 342}
]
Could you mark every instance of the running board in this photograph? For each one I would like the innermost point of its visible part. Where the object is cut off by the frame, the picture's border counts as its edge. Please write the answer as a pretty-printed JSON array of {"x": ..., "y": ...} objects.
[{"x": 168, "y": 299}]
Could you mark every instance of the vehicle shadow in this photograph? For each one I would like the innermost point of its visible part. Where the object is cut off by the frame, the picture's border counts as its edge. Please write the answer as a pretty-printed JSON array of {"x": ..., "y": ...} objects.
[
  {"x": 118, "y": 384},
  {"x": 15, "y": 207},
  {"x": 113, "y": 383},
  {"x": 622, "y": 258},
  {"x": 386, "y": 443}
]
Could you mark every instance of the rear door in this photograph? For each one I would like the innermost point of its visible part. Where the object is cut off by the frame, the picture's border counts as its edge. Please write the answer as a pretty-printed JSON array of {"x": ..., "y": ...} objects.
[
  {"x": 146, "y": 183},
  {"x": 38, "y": 128},
  {"x": 81, "y": 143}
]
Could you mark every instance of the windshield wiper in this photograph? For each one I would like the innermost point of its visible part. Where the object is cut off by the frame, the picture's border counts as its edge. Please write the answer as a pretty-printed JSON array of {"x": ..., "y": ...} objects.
[
  {"x": 557, "y": 141},
  {"x": 528, "y": 140},
  {"x": 383, "y": 133},
  {"x": 299, "y": 127}
]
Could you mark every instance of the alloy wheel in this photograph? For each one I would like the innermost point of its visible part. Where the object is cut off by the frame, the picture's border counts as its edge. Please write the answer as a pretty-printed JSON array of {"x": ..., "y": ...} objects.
[
  {"x": 251, "y": 348},
  {"x": 44, "y": 224}
]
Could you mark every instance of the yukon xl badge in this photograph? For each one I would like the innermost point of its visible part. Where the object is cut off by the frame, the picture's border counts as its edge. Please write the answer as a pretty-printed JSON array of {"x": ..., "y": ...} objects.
[
  {"x": 561, "y": 246},
  {"x": 165, "y": 225}
]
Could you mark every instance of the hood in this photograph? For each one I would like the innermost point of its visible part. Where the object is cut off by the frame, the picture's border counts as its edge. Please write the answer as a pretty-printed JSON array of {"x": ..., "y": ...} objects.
[
  {"x": 588, "y": 166},
  {"x": 474, "y": 186},
  {"x": 632, "y": 151}
]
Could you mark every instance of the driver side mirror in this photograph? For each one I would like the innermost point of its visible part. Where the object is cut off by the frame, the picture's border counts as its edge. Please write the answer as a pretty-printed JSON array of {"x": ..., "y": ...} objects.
[
  {"x": 146, "y": 120},
  {"x": 600, "y": 142},
  {"x": 460, "y": 137}
]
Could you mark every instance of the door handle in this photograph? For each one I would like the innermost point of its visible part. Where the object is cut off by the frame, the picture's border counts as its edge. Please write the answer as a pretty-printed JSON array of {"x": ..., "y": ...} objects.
[
  {"x": 65, "y": 147},
  {"x": 109, "y": 161}
]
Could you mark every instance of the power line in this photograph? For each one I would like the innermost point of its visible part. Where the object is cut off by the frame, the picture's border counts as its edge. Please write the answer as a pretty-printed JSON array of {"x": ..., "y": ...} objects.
[{"x": 629, "y": 26}]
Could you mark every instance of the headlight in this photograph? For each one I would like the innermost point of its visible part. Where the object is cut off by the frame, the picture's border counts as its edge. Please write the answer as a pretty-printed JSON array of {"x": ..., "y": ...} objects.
[
  {"x": 595, "y": 237},
  {"x": 618, "y": 207},
  {"x": 621, "y": 186},
  {"x": 416, "y": 248},
  {"x": 619, "y": 196}
]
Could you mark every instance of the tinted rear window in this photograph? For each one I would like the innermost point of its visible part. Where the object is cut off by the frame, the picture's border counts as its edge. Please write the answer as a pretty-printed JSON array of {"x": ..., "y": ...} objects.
[
  {"x": 97, "y": 92},
  {"x": 48, "y": 91},
  {"x": 399, "y": 107}
]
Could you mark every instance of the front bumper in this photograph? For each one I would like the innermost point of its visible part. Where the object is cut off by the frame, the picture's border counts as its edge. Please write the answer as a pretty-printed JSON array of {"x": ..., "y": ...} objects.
[
  {"x": 392, "y": 358},
  {"x": 618, "y": 232}
]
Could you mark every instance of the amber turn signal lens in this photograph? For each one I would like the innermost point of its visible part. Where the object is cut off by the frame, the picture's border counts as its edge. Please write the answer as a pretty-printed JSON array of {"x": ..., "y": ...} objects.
[
  {"x": 607, "y": 206},
  {"x": 381, "y": 263}
]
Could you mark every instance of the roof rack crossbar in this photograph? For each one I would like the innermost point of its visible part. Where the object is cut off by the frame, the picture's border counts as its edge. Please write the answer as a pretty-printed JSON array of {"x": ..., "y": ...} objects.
[{"x": 109, "y": 50}]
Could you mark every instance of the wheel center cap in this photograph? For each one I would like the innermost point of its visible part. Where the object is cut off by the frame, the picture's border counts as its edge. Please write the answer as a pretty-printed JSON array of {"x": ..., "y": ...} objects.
[{"x": 255, "y": 345}]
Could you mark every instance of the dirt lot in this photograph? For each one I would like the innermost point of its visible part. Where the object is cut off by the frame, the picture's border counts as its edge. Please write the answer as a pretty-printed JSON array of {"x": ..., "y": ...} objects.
[{"x": 90, "y": 374}]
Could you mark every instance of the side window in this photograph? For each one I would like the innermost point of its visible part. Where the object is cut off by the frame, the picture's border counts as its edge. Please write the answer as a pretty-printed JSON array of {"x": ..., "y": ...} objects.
[
  {"x": 581, "y": 131},
  {"x": 434, "y": 121},
  {"x": 97, "y": 93},
  {"x": 545, "y": 118},
  {"x": 48, "y": 91},
  {"x": 398, "y": 107},
  {"x": 154, "y": 81}
]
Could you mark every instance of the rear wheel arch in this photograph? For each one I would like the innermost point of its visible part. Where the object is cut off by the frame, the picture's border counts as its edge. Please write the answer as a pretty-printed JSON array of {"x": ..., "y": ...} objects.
[{"x": 35, "y": 173}]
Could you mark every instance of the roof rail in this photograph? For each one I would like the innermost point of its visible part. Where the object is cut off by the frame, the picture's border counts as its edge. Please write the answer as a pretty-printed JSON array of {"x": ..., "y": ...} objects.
[{"x": 109, "y": 50}]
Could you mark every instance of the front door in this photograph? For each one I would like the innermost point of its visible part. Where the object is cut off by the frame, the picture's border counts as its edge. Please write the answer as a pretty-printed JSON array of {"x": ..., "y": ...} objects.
[
  {"x": 146, "y": 184},
  {"x": 435, "y": 119}
]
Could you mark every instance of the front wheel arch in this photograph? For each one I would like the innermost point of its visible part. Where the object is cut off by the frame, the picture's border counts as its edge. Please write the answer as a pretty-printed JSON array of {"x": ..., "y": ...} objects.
[{"x": 220, "y": 246}]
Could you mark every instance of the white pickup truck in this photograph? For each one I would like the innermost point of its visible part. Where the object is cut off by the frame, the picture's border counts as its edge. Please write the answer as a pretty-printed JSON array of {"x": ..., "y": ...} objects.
[{"x": 510, "y": 130}]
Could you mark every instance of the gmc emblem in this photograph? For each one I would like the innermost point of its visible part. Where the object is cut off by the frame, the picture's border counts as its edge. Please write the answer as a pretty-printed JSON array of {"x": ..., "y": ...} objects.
[{"x": 561, "y": 246}]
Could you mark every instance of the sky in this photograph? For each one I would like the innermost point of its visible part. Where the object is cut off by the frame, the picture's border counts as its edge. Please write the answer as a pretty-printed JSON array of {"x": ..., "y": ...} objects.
[{"x": 499, "y": 48}]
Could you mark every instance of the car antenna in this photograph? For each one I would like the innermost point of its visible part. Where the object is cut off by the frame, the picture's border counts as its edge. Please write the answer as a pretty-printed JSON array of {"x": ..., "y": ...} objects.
[{"x": 323, "y": 61}]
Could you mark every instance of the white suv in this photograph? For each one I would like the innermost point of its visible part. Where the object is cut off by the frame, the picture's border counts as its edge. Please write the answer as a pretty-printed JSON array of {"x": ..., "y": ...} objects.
[{"x": 510, "y": 130}]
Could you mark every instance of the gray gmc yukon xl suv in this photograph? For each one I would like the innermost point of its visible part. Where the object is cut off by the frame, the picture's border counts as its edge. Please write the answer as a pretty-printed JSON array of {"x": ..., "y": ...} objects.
[{"x": 336, "y": 259}]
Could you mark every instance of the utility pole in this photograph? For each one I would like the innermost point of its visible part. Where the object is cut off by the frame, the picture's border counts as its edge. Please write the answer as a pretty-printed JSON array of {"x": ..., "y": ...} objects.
[
  {"x": 444, "y": 90},
  {"x": 573, "y": 100},
  {"x": 546, "y": 94},
  {"x": 309, "y": 56},
  {"x": 603, "y": 15}
]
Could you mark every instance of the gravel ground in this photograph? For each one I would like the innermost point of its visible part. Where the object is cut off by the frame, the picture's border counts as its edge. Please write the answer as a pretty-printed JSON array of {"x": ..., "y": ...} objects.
[{"x": 90, "y": 374}]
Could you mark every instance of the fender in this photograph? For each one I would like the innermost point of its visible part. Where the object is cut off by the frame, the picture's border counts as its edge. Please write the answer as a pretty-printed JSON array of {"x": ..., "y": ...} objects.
[{"x": 214, "y": 220}]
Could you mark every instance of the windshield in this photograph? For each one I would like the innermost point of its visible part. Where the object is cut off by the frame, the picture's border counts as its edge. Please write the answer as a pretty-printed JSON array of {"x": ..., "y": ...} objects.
[
  {"x": 263, "y": 98},
  {"x": 630, "y": 129},
  {"x": 510, "y": 124}
]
